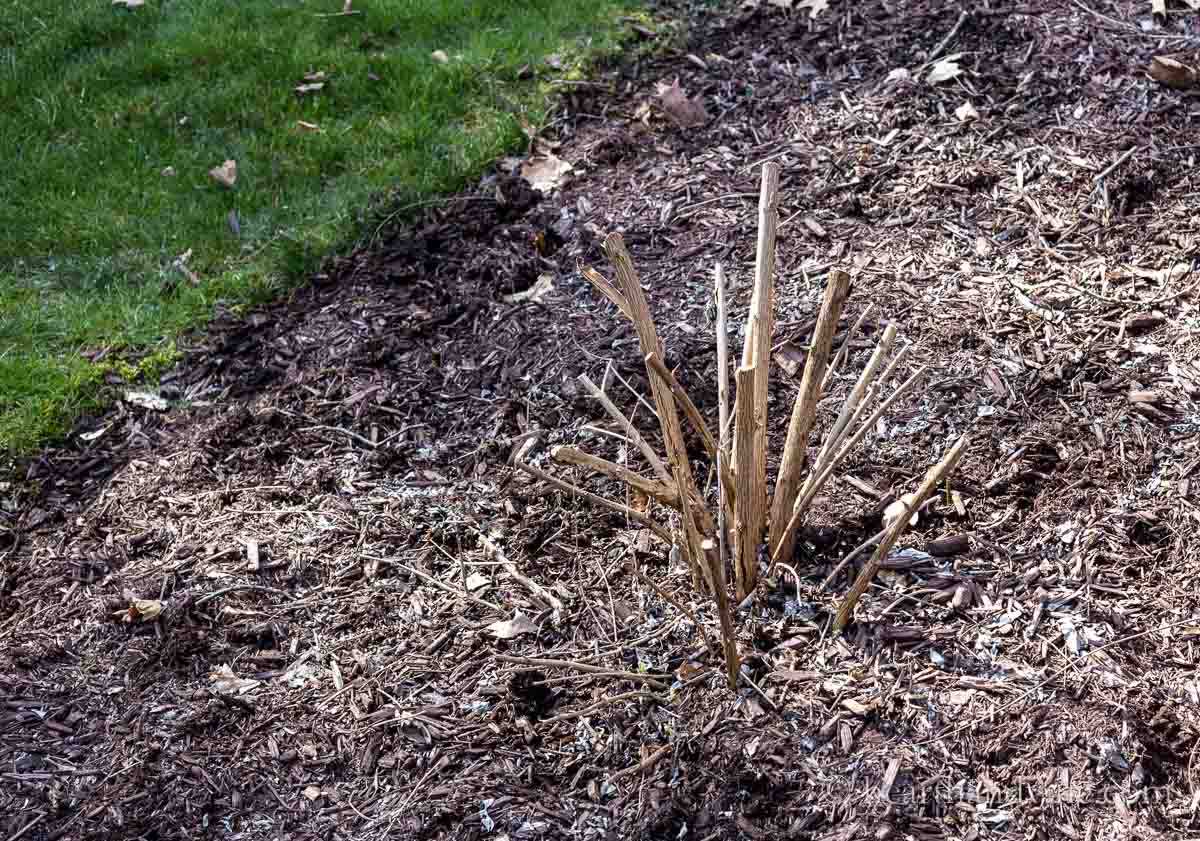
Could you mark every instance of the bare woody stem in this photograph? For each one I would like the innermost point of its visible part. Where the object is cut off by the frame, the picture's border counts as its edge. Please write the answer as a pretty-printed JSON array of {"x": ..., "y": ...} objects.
[
  {"x": 657, "y": 491},
  {"x": 932, "y": 477},
  {"x": 804, "y": 410}
]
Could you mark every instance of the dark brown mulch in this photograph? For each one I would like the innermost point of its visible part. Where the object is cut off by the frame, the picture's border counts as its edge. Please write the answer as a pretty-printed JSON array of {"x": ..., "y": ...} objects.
[{"x": 327, "y": 459}]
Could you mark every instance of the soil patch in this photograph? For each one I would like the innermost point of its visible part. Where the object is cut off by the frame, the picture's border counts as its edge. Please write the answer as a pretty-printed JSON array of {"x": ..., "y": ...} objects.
[{"x": 310, "y": 515}]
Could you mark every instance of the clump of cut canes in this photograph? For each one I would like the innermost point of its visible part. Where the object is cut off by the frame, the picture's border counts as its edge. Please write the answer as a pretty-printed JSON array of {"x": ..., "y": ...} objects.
[{"x": 752, "y": 515}]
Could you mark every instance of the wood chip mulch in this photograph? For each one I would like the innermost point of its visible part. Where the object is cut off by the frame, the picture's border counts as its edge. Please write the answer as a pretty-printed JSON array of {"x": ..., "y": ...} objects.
[{"x": 270, "y": 611}]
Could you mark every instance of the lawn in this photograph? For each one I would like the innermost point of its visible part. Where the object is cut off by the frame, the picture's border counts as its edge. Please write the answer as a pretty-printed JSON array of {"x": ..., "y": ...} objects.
[{"x": 115, "y": 116}]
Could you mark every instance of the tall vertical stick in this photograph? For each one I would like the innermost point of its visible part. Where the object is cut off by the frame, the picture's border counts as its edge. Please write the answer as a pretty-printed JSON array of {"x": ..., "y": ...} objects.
[
  {"x": 795, "y": 448},
  {"x": 746, "y": 509},
  {"x": 723, "y": 414},
  {"x": 756, "y": 355}
]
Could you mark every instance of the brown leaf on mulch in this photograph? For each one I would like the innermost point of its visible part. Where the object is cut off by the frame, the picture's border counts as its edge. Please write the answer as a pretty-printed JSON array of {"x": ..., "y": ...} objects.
[{"x": 685, "y": 111}]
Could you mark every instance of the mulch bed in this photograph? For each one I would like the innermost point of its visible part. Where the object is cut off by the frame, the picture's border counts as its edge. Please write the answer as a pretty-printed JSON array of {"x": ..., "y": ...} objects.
[{"x": 310, "y": 511}]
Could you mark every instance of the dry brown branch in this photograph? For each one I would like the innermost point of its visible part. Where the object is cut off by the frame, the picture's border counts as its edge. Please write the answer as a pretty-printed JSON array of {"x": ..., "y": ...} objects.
[
  {"x": 724, "y": 613},
  {"x": 645, "y": 765},
  {"x": 605, "y": 288},
  {"x": 655, "y": 490},
  {"x": 844, "y": 350},
  {"x": 655, "y": 365},
  {"x": 629, "y": 429},
  {"x": 682, "y": 608},
  {"x": 795, "y": 448},
  {"x": 537, "y": 590},
  {"x": 932, "y": 477},
  {"x": 746, "y": 510},
  {"x": 637, "y": 516},
  {"x": 697, "y": 522},
  {"x": 429, "y": 579},
  {"x": 636, "y": 695},
  {"x": 540, "y": 663},
  {"x": 631, "y": 286},
  {"x": 725, "y": 487},
  {"x": 756, "y": 353},
  {"x": 816, "y": 481}
]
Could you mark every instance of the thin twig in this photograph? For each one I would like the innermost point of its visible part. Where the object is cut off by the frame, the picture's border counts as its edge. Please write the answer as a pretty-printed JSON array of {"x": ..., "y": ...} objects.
[
  {"x": 429, "y": 579},
  {"x": 624, "y": 696},
  {"x": 645, "y": 765},
  {"x": 539, "y": 592},
  {"x": 638, "y": 516},
  {"x": 958, "y": 24},
  {"x": 630, "y": 430},
  {"x": 541, "y": 663},
  {"x": 1108, "y": 170},
  {"x": 655, "y": 490},
  {"x": 724, "y": 488},
  {"x": 682, "y": 608},
  {"x": 932, "y": 477}
]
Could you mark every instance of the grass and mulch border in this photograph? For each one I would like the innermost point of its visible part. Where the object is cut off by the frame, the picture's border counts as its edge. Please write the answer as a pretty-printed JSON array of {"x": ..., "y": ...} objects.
[
  {"x": 116, "y": 235},
  {"x": 277, "y": 613}
]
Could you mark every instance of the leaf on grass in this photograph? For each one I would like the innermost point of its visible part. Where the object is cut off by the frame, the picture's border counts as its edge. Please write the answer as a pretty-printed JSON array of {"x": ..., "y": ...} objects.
[
  {"x": 168, "y": 172},
  {"x": 945, "y": 70},
  {"x": 306, "y": 126},
  {"x": 544, "y": 284},
  {"x": 508, "y": 629},
  {"x": 966, "y": 112},
  {"x": 140, "y": 610},
  {"x": 146, "y": 400},
  {"x": 226, "y": 682},
  {"x": 686, "y": 112},
  {"x": 225, "y": 174},
  {"x": 439, "y": 56},
  {"x": 545, "y": 173},
  {"x": 129, "y": 4},
  {"x": 308, "y": 87}
]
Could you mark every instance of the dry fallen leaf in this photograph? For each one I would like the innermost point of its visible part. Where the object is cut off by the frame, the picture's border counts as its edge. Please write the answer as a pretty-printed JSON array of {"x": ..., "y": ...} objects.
[
  {"x": 308, "y": 87},
  {"x": 544, "y": 284},
  {"x": 439, "y": 56},
  {"x": 545, "y": 173},
  {"x": 140, "y": 610},
  {"x": 687, "y": 113},
  {"x": 305, "y": 126},
  {"x": 168, "y": 172},
  {"x": 1172, "y": 73},
  {"x": 226, "y": 682},
  {"x": 966, "y": 112},
  {"x": 945, "y": 70},
  {"x": 508, "y": 629},
  {"x": 900, "y": 74},
  {"x": 312, "y": 792},
  {"x": 129, "y": 4},
  {"x": 225, "y": 174}
]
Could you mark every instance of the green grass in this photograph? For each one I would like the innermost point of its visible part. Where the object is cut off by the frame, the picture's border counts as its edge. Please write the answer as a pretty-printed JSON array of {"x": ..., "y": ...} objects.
[{"x": 98, "y": 100}]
